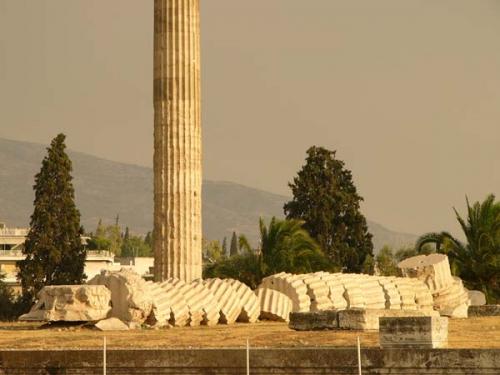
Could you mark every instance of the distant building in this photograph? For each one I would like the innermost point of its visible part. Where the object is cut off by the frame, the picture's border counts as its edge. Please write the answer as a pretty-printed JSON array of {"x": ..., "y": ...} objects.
[{"x": 12, "y": 244}]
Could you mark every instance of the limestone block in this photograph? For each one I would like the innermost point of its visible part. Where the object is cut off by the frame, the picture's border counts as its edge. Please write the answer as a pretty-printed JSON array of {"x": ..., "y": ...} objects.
[
  {"x": 373, "y": 293},
  {"x": 211, "y": 307},
  {"x": 406, "y": 292},
  {"x": 413, "y": 332},
  {"x": 314, "y": 321},
  {"x": 70, "y": 303},
  {"x": 274, "y": 305},
  {"x": 318, "y": 292},
  {"x": 193, "y": 299},
  {"x": 179, "y": 310},
  {"x": 161, "y": 312},
  {"x": 476, "y": 298},
  {"x": 225, "y": 293},
  {"x": 291, "y": 285},
  {"x": 453, "y": 301},
  {"x": 130, "y": 295},
  {"x": 353, "y": 294},
  {"x": 111, "y": 324},
  {"x": 391, "y": 293},
  {"x": 423, "y": 296},
  {"x": 336, "y": 293},
  {"x": 250, "y": 303},
  {"x": 368, "y": 319},
  {"x": 433, "y": 270}
]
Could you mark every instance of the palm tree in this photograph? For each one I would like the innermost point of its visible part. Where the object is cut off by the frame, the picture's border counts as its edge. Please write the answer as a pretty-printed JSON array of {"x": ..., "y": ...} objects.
[
  {"x": 287, "y": 247},
  {"x": 477, "y": 261},
  {"x": 284, "y": 247}
]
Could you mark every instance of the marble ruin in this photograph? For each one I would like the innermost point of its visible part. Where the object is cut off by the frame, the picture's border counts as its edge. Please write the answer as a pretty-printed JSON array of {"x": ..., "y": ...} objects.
[
  {"x": 356, "y": 301},
  {"x": 450, "y": 297},
  {"x": 177, "y": 140},
  {"x": 414, "y": 332},
  {"x": 70, "y": 303}
]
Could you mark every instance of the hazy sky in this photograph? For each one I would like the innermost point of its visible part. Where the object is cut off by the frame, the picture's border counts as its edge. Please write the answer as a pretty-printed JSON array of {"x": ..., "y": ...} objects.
[{"x": 408, "y": 92}]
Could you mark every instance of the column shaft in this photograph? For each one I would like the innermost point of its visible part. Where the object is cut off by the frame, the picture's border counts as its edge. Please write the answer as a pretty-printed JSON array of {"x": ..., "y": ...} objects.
[{"x": 177, "y": 137}]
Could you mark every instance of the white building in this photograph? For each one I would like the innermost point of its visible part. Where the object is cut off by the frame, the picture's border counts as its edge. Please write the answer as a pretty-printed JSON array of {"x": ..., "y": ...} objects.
[{"x": 12, "y": 244}]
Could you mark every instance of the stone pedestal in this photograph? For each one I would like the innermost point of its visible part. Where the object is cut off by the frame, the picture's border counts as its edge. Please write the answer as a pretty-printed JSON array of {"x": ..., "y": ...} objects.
[
  {"x": 177, "y": 135},
  {"x": 415, "y": 332},
  {"x": 314, "y": 321}
]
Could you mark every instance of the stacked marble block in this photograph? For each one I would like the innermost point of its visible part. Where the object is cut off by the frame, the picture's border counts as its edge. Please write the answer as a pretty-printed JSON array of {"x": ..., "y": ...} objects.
[
  {"x": 450, "y": 297},
  {"x": 177, "y": 303},
  {"x": 283, "y": 293}
]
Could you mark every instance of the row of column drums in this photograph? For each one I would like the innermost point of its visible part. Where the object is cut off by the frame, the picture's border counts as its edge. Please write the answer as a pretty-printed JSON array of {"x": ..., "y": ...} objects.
[{"x": 226, "y": 301}]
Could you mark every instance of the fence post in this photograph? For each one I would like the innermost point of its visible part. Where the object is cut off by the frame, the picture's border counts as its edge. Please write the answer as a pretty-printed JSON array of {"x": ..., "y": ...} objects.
[{"x": 359, "y": 356}]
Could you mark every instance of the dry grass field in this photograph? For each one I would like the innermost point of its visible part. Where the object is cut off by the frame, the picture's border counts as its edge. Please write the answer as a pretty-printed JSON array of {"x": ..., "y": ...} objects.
[{"x": 463, "y": 333}]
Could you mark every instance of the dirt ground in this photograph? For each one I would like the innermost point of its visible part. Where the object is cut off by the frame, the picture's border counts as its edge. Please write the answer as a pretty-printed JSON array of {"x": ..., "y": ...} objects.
[{"x": 463, "y": 333}]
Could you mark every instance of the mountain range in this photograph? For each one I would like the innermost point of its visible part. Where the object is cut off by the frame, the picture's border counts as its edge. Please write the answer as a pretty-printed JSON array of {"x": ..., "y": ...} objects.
[{"x": 105, "y": 189}]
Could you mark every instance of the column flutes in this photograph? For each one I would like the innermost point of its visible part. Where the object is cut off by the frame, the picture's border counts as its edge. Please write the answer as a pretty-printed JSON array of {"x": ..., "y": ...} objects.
[{"x": 177, "y": 140}]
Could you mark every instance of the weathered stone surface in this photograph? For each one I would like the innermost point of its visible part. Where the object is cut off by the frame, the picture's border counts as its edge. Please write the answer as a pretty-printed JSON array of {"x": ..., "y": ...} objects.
[
  {"x": 211, "y": 306},
  {"x": 177, "y": 141},
  {"x": 318, "y": 292},
  {"x": 433, "y": 270},
  {"x": 111, "y": 324},
  {"x": 230, "y": 306},
  {"x": 179, "y": 310},
  {"x": 250, "y": 309},
  {"x": 413, "y": 332},
  {"x": 476, "y": 298},
  {"x": 314, "y": 321},
  {"x": 292, "y": 286},
  {"x": 336, "y": 292},
  {"x": 70, "y": 303},
  {"x": 274, "y": 305},
  {"x": 161, "y": 311},
  {"x": 391, "y": 293},
  {"x": 368, "y": 319},
  {"x": 449, "y": 295},
  {"x": 485, "y": 310},
  {"x": 130, "y": 295}
]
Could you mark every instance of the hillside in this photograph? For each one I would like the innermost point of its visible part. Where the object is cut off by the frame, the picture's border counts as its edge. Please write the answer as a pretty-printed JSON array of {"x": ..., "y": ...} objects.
[{"x": 105, "y": 188}]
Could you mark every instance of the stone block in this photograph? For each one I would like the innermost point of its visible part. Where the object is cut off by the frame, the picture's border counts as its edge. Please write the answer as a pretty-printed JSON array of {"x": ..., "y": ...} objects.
[
  {"x": 413, "y": 332},
  {"x": 368, "y": 319},
  {"x": 71, "y": 303},
  {"x": 476, "y": 298},
  {"x": 274, "y": 305},
  {"x": 130, "y": 295},
  {"x": 314, "y": 321},
  {"x": 483, "y": 311},
  {"x": 111, "y": 324}
]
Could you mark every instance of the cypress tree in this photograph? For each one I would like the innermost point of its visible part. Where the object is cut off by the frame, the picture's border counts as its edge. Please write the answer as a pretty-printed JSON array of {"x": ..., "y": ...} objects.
[
  {"x": 325, "y": 198},
  {"x": 233, "y": 249},
  {"x": 53, "y": 248}
]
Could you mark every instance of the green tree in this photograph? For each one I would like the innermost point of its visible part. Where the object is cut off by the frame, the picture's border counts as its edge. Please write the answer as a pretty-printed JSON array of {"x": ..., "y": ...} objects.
[
  {"x": 149, "y": 239},
  {"x": 212, "y": 251},
  {"x": 476, "y": 261},
  {"x": 7, "y": 304},
  {"x": 244, "y": 244},
  {"x": 224, "y": 246},
  {"x": 285, "y": 247},
  {"x": 135, "y": 246},
  {"x": 386, "y": 262},
  {"x": 325, "y": 198},
  {"x": 53, "y": 250},
  {"x": 244, "y": 267},
  {"x": 233, "y": 249}
]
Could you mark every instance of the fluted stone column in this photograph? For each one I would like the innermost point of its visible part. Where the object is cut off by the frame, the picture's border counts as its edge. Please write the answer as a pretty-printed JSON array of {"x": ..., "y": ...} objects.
[{"x": 177, "y": 137}]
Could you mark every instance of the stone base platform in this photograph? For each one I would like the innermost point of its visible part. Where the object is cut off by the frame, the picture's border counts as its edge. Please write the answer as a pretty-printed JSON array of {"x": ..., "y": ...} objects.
[
  {"x": 314, "y": 321},
  {"x": 416, "y": 332},
  {"x": 368, "y": 319}
]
